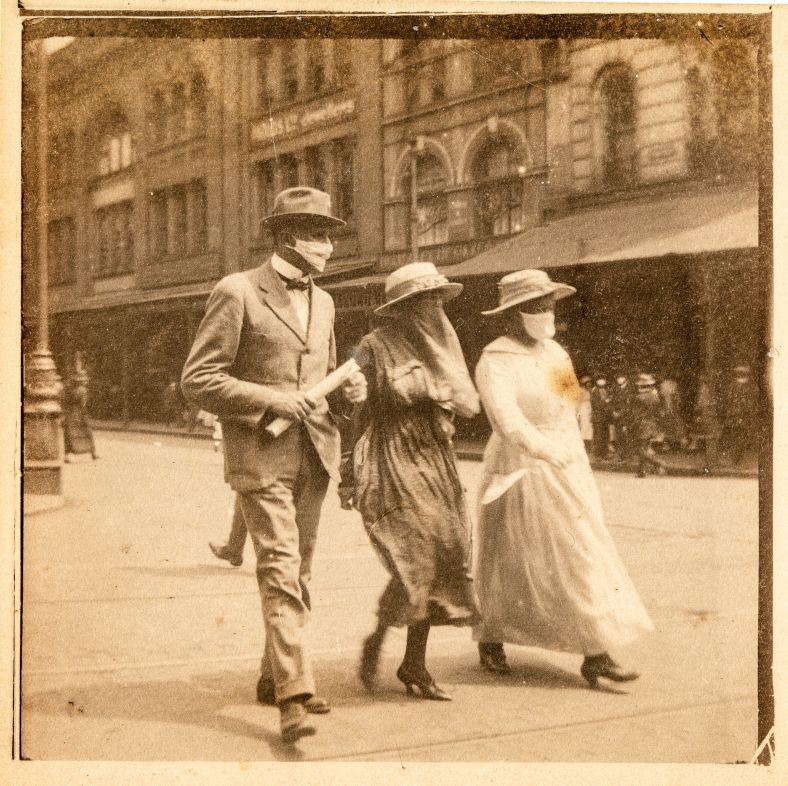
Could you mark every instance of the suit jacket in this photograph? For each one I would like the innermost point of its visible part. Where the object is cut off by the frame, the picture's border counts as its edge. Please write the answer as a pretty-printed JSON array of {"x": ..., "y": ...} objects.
[{"x": 249, "y": 345}]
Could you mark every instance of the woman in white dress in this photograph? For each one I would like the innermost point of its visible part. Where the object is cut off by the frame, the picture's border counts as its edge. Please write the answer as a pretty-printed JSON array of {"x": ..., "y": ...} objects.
[{"x": 546, "y": 569}]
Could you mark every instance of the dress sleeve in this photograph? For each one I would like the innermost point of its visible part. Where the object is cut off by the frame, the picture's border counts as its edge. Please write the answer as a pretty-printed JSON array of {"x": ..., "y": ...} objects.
[{"x": 497, "y": 383}]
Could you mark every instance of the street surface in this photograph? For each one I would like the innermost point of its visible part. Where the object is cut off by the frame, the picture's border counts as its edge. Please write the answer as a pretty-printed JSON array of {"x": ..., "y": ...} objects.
[{"x": 139, "y": 645}]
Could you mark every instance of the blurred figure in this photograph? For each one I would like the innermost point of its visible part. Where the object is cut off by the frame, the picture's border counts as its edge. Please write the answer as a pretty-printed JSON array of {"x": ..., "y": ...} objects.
[
  {"x": 704, "y": 426},
  {"x": 585, "y": 413},
  {"x": 675, "y": 429},
  {"x": 77, "y": 434},
  {"x": 172, "y": 402},
  {"x": 621, "y": 406},
  {"x": 740, "y": 417},
  {"x": 646, "y": 430},
  {"x": 601, "y": 417}
]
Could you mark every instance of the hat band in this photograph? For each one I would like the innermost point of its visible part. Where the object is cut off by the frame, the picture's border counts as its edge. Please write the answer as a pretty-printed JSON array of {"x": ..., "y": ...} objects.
[
  {"x": 515, "y": 293},
  {"x": 415, "y": 285}
]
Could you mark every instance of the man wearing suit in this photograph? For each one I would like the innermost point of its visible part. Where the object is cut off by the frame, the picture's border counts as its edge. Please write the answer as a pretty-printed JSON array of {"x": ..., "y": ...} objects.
[{"x": 266, "y": 338}]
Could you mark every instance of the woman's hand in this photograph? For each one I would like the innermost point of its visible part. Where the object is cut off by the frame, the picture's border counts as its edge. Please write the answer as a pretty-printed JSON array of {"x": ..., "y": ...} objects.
[
  {"x": 554, "y": 453},
  {"x": 355, "y": 388}
]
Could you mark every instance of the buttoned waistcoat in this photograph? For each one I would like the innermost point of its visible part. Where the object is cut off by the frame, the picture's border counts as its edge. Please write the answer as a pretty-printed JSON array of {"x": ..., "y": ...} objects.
[{"x": 249, "y": 345}]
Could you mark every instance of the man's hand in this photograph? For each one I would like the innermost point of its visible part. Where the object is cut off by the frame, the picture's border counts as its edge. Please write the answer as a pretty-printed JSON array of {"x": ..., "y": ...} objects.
[
  {"x": 293, "y": 406},
  {"x": 355, "y": 388}
]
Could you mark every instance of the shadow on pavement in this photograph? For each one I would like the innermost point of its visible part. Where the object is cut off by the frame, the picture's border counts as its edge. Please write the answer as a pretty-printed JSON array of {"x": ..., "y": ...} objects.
[
  {"x": 199, "y": 701},
  {"x": 190, "y": 571}
]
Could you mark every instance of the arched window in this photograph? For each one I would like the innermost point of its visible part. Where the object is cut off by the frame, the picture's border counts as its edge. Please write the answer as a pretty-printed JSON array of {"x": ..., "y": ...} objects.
[
  {"x": 431, "y": 200},
  {"x": 618, "y": 114},
  {"x": 114, "y": 145},
  {"x": 498, "y": 188}
]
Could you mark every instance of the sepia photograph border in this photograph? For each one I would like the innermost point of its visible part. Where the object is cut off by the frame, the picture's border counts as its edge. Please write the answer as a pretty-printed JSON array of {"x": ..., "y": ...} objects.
[{"x": 31, "y": 21}]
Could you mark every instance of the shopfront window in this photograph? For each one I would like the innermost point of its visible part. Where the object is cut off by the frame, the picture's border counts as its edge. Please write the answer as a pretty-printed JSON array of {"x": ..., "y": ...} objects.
[
  {"x": 289, "y": 70},
  {"x": 498, "y": 190}
]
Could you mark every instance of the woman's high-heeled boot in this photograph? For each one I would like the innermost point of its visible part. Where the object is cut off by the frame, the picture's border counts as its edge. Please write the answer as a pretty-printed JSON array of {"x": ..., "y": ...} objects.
[
  {"x": 596, "y": 666},
  {"x": 493, "y": 658},
  {"x": 413, "y": 671},
  {"x": 421, "y": 679}
]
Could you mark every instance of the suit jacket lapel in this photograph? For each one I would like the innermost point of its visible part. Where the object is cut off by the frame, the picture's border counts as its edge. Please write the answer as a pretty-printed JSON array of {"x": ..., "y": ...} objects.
[{"x": 275, "y": 296}]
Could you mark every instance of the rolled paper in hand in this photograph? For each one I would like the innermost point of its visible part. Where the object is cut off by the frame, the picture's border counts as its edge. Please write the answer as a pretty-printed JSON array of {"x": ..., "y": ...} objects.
[{"x": 334, "y": 380}]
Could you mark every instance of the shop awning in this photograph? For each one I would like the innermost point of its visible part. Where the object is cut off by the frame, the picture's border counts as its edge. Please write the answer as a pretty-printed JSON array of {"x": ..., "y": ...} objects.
[{"x": 639, "y": 229}]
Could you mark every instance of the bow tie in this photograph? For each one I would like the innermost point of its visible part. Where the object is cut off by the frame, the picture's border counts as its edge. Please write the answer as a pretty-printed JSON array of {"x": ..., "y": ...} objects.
[{"x": 295, "y": 283}]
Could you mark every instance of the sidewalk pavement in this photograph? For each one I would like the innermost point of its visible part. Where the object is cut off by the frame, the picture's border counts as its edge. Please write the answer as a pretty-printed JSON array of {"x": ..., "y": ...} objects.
[
  {"x": 139, "y": 645},
  {"x": 685, "y": 464}
]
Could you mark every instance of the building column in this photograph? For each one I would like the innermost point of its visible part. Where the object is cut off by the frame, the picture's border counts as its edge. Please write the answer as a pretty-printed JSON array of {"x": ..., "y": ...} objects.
[{"x": 43, "y": 448}]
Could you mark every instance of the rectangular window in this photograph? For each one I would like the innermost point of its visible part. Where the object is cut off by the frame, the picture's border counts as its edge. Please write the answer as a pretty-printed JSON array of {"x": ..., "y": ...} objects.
[
  {"x": 316, "y": 68},
  {"x": 263, "y": 193},
  {"x": 343, "y": 64},
  {"x": 61, "y": 251},
  {"x": 158, "y": 220},
  {"x": 177, "y": 222},
  {"x": 114, "y": 240},
  {"x": 288, "y": 171},
  {"x": 289, "y": 71},
  {"x": 344, "y": 179},
  {"x": 198, "y": 229},
  {"x": 262, "y": 78},
  {"x": 316, "y": 174}
]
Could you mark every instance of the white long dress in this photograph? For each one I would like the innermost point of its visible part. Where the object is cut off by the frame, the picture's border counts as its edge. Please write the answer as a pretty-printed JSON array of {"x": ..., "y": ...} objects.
[{"x": 545, "y": 567}]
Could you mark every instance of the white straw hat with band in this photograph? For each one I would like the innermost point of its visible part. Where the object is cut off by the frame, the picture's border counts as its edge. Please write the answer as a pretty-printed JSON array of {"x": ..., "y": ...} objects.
[
  {"x": 516, "y": 288},
  {"x": 416, "y": 278}
]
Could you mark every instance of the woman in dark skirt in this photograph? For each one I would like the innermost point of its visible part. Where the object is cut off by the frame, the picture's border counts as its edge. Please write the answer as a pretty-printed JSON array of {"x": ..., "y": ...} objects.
[
  {"x": 407, "y": 487},
  {"x": 77, "y": 434}
]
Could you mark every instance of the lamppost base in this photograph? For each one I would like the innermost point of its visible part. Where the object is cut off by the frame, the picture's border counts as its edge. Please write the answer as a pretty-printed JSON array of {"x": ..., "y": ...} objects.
[{"x": 43, "y": 437}]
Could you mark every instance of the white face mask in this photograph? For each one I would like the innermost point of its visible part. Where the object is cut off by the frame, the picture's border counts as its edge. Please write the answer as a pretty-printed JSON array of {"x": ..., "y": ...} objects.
[
  {"x": 315, "y": 252},
  {"x": 539, "y": 326}
]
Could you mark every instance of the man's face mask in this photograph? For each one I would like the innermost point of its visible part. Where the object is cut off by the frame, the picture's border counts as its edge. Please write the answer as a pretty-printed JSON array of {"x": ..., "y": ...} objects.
[
  {"x": 539, "y": 326},
  {"x": 315, "y": 252}
]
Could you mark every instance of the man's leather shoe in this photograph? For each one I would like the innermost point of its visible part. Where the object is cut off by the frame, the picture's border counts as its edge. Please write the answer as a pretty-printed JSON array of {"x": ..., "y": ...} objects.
[
  {"x": 294, "y": 721},
  {"x": 314, "y": 705},
  {"x": 222, "y": 552}
]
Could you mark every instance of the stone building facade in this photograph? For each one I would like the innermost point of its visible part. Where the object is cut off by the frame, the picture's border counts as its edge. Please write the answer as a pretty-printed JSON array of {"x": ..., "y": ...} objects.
[{"x": 630, "y": 164}]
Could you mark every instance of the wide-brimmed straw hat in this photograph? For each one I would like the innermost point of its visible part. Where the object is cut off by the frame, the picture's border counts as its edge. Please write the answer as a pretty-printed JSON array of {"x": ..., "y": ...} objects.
[
  {"x": 302, "y": 202},
  {"x": 415, "y": 279},
  {"x": 523, "y": 285}
]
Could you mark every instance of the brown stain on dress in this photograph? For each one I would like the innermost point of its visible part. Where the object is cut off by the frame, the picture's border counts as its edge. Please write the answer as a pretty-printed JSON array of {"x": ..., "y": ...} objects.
[{"x": 563, "y": 382}]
